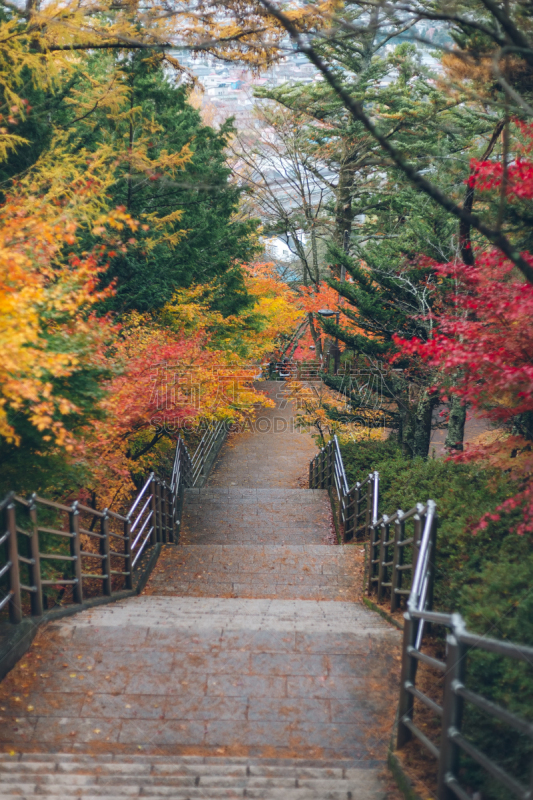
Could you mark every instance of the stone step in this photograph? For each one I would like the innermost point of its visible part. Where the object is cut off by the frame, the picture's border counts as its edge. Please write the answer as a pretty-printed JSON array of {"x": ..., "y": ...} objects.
[
  {"x": 173, "y": 675},
  {"x": 69, "y": 776},
  {"x": 307, "y": 572},
  {"x": 296, "y": 495},
  {"x": 200, "y": 794},
  {"x": 256, "y": 516}
]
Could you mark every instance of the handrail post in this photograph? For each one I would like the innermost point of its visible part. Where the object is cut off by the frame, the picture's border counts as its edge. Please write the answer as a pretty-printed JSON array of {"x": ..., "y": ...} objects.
[
  {"x": 128, "y": 561},
  {"x": 396, "y": 580},
  {"x": 15, "y": 605},
  {"x": 159, "y": 530},
  {"x": 431, "y": 564},
  {"x": 164, "y": 512},
  {"x": 373, "y": 545},
  {"x": 419, "y": 523},
  {"x": 104, "y": 551},
  {"x": 173, "y": 501},
  {"x": 385, "y": 529},
  {"x": 36, "y": 597},
  {"x": 350, "y": 524},
  {"x": 369, "y": 504},
  {"x": 452, "y": 709},
  {"x": 168, "y": 512},
  {"x": 357, "y": 508},
  {"x": 408, "y": 677},
  {"x": 75, "y": 550},
  {"x": 153, "y": 507},
  {"x": 375, "y": 496},
  {"x": 202, "y": 456},
  {"x": 311, "y": 463}
]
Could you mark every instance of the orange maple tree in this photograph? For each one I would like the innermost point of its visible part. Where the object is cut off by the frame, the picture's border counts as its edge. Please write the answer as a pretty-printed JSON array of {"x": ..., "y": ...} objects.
[
  {"x": 165, "y": 383},
  {"x": 48, "y": 330}
]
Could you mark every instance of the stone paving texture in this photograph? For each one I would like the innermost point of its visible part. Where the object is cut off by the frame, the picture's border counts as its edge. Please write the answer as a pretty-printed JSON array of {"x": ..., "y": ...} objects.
[
  {"x": 256, "y": 516},
  {"x": 274, "y": 454},
  {"x": 247, "y": 669},
  {"x": 308, "y": 572}
]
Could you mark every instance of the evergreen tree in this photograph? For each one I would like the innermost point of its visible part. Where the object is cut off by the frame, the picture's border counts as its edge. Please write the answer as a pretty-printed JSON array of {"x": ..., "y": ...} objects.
[
  {"x": 383, "y": 233},
  {"x": 170, "y": 173},
  {"x": 204, "y": 242}
]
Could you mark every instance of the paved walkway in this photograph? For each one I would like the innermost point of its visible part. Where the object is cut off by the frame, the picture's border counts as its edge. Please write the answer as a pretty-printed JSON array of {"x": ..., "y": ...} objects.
[
  {"x": 274, "y": 454},
  {"x": 246, "y": 669}
]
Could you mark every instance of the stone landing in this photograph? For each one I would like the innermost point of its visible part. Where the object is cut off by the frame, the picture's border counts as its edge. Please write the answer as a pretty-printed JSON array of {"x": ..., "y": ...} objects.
[{"x": 208, "y": 677}]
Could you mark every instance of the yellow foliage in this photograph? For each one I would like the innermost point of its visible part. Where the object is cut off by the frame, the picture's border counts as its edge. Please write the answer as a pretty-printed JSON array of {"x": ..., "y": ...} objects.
[
  {"x": 45, "y": 300},
  {"x": 324, "y": 410},
  {"x": 254, "y": 332}
]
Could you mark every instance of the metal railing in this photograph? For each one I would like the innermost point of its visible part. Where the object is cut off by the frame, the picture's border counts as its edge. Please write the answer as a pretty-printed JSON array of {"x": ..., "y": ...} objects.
[
  {"x": 400, "y": 545},
  {"x": 315, "y": 369},
  {"x": 293, "y": 370},
  {"x": 394, "y": 552},
  {"x": 358, "y": 505},
  {"x": 455, "y": 696},
  {"x": 83, "y": 552},
  {"x": 201, "y": 456},
  {"x": 394, "y": 542}
]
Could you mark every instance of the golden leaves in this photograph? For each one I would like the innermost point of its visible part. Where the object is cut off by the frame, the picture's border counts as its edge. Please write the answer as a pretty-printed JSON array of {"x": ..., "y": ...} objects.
[
  {"x": 41, "y": 298},
  {"x": 254, "y": 333}
]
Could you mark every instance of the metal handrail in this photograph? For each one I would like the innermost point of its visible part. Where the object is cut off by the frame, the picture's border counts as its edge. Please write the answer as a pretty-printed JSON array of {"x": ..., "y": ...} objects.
[
  {"x": 140, "y": 495},
  {"x": 358, "y": 515},
  {"x": 104, "y": 536},
  {"x": 373, "y": 477},
  {"x": 453, "y": 740},
  {"x": 338, "y": 458},
  {"x": 327, "y": 470},
  {"x": 459, "y": 641},
  {"x": 418, "y": 599}
]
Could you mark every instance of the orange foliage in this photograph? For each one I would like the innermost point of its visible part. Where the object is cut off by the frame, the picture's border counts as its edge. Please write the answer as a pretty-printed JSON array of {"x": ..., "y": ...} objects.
[
  {"x": 326, "y": 297},
  {"x": 164, "y": 382},
  {"x": 46, "y": 328},
  {"x": 250, "y": 334}
]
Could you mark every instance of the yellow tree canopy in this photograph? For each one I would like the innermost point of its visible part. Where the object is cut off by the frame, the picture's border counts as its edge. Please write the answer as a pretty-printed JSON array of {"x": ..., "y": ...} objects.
[{"x": 253, "y": 333}]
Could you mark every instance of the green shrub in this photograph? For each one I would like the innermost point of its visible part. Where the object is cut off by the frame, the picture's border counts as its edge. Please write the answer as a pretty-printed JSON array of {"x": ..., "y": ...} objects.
[
  {"x": 466, "y": 577},
  {"x": 487, "y": 576}
]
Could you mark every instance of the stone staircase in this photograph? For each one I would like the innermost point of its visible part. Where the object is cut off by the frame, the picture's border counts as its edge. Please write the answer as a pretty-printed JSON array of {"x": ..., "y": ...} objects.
[
  {"x": 257, "y": 543},
  {"x": 247, "y": 668},
  {"x": 307, "y": 572},
  {"x": 255, "y": 516},
  {"x": 69, "y": 777}
]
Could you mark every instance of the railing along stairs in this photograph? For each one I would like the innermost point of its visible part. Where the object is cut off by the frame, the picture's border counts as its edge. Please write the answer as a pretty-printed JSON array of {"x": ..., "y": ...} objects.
[
  {"x": 85, "y": 553},
  {"x": 358, "y": 505},
  {"x": 416, "y": 552}
]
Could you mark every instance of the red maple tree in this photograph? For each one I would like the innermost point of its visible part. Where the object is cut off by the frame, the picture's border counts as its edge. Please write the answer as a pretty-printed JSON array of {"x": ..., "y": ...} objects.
[{"x": 483, "y": 341}]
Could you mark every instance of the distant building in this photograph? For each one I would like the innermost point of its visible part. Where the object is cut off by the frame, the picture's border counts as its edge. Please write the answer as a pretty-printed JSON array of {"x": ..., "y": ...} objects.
[{"x": 282, "y": 247}]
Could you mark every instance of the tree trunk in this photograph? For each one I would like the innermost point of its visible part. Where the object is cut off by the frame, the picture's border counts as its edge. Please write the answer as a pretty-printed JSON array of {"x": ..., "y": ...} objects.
[
  {"x": 456, "y": 424},
  {"x": 315, "y": 335},
  {"x": 314, "y": 250},
  {"x": 465, "y": 241},
  {"x": 423, "y": 420},
  {"x": 343, "y": 204},
  {"x": 407, "y": 431}
]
